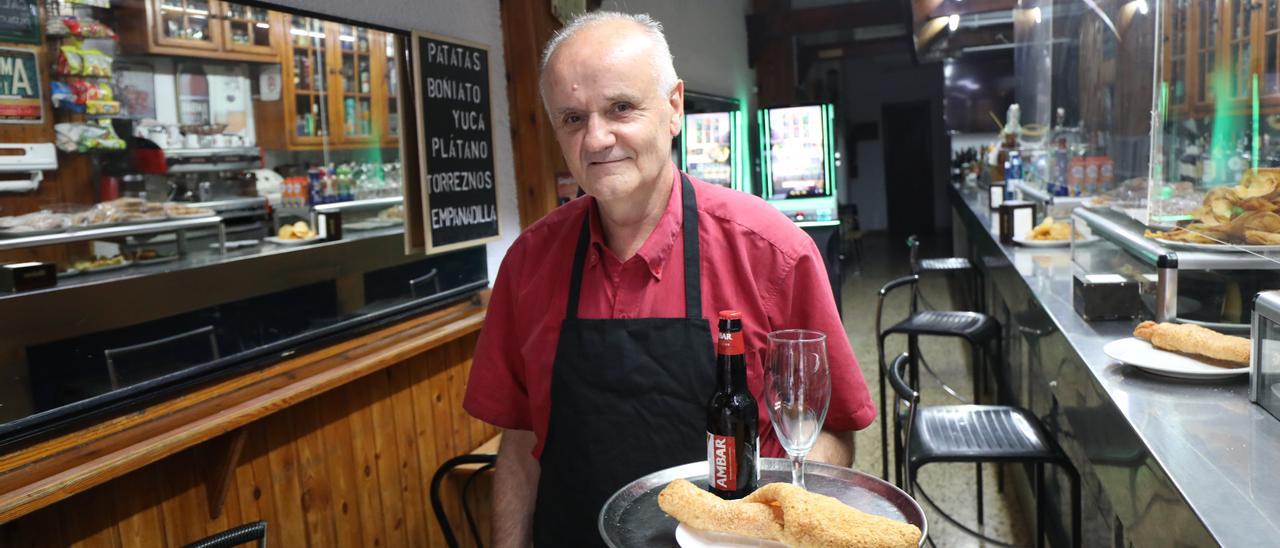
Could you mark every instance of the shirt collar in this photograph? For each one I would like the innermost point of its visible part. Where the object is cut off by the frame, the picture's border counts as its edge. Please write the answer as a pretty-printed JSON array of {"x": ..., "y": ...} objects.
[{"x": 657, "y": 247}]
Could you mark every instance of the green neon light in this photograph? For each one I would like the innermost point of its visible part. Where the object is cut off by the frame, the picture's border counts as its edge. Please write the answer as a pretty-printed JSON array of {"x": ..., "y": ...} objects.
[
  {"x": 766, "y": 182},
  {"x": 829, "y": 126},
  {"x": 1162, "y": 111},
  {"x": 1221, "y": 144},
  {"x": 1255, "y": 137}
]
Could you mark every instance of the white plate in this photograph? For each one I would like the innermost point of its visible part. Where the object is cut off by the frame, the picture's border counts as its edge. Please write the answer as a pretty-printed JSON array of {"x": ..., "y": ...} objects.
[
  {"x": 157, "y": 260},
  {"x": 1141, "y": 354},
  {"x": 371, "y": 224},
  {"x": 1050, "y": 243},
  {"x": 107, "y": 268},
  {"x": 276, "y": 240},
  {"x": 209, "y": 213},
  {"x": 688, "y": 537},
  {"x": 1221, "y": 248}
]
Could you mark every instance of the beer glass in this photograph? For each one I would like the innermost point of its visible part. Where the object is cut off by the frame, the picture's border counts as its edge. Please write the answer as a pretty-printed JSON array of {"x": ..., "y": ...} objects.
[{"x": 797, "y": 390}]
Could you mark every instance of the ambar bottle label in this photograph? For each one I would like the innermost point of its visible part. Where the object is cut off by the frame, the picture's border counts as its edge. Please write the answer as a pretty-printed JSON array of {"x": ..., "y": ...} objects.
[{"x": 721, "y": 455}]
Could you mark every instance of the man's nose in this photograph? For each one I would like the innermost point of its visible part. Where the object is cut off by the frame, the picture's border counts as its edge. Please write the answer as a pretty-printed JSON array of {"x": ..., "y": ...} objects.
[{"x": 599, "y": 134}]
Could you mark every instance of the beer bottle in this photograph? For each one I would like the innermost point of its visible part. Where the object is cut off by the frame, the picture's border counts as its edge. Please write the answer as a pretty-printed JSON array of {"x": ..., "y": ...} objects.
[{"x": 733, "y": 445}]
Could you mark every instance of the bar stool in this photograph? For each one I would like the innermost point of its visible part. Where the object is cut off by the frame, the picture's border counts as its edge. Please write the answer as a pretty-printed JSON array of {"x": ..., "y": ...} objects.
[
  {"x": 978, "y": 330},
  {"x": 255, "y": 532},
  {"x": 945, "y": 265},
  {"x": 977, "y": 433}
]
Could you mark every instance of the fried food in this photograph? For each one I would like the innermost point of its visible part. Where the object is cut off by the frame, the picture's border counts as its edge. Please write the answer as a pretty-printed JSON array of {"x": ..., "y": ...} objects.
[
  {"x": 700, "y": 509},
  {"x": 1193, "y": 339},
  {"x": 1050, "y": 230},
  {"x": 783, "y": 512},
  {"x": 1255, "y": 237},
  {"x": 1229, "y": 214},
  {"x": 296, "y": 231}
]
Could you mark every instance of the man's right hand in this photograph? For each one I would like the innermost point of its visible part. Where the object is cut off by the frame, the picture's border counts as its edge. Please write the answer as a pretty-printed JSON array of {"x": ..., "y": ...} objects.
[{"x": 515, "y": 489}]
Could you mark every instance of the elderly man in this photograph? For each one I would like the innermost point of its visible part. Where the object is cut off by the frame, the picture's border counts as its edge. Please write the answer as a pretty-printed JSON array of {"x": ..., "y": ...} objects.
[{"x": 596, "y": 354}]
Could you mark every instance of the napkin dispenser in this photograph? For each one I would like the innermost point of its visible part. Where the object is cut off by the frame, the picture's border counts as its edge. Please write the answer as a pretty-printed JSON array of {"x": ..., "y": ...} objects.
[
  {"x": 995, "y": 195},
  {"x": 30, "y": 160},
  {"x": 1264, "y": 360}
]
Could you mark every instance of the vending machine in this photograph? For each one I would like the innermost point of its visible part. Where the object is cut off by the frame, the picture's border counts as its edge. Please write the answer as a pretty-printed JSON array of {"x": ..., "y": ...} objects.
[{"x": 797, "y": 166}]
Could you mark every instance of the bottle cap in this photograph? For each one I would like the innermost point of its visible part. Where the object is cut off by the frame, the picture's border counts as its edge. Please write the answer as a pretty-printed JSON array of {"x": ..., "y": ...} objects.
[{"x": 730, "y": 315}]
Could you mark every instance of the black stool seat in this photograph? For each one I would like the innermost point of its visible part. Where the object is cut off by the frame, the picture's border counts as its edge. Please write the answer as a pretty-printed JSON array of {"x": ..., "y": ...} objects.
[
  {"x": 965, "y": 433},
  {"x": 944, "y": 264},
  {"x": 973, "y": 326}
]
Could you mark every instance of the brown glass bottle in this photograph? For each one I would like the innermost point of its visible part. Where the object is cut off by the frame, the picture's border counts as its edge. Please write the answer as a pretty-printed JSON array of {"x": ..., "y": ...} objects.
[{"x": 733, "y": 444}]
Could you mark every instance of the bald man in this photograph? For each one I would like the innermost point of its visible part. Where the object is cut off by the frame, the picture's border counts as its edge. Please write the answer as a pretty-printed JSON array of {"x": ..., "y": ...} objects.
[{"x": 596, "y": 354}]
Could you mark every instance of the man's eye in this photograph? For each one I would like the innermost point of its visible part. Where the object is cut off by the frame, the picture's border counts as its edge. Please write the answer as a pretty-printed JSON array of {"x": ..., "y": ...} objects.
[
  {"x": 572, "y": 119},
  {"x": 622, "y": 108}
]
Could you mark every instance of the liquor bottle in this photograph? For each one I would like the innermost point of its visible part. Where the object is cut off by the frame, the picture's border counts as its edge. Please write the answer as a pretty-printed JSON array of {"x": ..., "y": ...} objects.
[{"x": 733, "y": 445}]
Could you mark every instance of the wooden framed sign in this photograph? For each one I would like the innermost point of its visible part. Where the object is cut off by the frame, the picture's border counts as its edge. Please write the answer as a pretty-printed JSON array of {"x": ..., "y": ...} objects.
[{"x": 455, "y": 142}]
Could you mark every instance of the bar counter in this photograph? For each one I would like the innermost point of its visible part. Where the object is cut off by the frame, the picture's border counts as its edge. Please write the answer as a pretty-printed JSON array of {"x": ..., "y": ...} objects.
[{"x": 1164, "y": 462}]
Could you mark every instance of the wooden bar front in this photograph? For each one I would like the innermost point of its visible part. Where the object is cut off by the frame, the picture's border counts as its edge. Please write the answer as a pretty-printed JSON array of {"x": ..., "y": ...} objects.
[{"x": 334, "y": 448}]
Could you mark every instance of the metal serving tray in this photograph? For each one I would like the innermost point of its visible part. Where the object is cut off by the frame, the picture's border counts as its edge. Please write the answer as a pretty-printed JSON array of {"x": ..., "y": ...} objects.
[{"x": 631, "y": 517}]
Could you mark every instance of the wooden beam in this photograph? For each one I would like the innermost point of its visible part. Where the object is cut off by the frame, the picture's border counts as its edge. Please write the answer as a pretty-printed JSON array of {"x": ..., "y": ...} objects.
[{"x": 222, "y": 457}]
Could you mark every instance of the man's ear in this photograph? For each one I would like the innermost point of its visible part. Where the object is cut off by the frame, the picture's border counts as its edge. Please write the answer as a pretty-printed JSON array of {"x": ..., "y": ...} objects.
[{"x": 677, "y": 107}]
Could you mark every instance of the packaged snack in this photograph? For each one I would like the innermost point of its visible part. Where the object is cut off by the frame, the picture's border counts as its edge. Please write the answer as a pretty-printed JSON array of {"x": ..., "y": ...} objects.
[
  {"x": 70, "y": 60},
  {"x": 96, "y": 63},
  {"x": 84, "y": 27},
  {"x": 102, "y": 107},
  {"x": 93, "y": 136},
  {"x": 62, "y": 96}
]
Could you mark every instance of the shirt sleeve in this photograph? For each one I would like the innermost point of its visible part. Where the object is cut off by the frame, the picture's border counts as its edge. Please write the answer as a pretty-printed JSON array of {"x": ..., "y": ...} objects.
[
  {"x": 497, "y": 392},
  {"x": 803, "y": 300}
]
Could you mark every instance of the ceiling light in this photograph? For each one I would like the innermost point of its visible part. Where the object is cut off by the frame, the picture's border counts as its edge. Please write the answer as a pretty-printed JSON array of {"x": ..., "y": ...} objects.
[
  {"x": 1143, "y": 7},
  {"x": 953, "y": 22},
  {"x": 1035, "y": 13}
]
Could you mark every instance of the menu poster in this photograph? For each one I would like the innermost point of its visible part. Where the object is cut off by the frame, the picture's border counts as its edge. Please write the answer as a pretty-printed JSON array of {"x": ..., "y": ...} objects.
[
  {"x": 19, "y": 21},
  {"x": 20, "y": 100},
  {"x": 455, "y": 145}
]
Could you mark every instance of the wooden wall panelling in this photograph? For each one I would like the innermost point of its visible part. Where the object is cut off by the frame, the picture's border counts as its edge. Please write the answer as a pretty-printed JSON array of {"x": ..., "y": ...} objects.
[
  {"x": 386, "y": 458},
  {"x": 278, "y": 487},
  {"x": 317, "y": 503},
  {"x": 526, "y": 28},
  {"x": 419, "y": 522}
]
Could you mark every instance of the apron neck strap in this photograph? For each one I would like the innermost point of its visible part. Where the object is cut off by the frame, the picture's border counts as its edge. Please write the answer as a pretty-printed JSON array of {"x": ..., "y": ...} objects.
[{"x": 692, "y": 256}]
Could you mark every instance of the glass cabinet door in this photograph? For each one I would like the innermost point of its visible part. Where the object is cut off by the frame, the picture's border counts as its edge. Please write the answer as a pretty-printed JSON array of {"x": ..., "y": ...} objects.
[
  {"x": 247, "y": 29},
  {"x": 307, "y": 64},
  {"x": 391, "y": 79},
  {"x": 1239, "y": 33},
  {"x": 1175, "y": 48},
  {"x": 185, "y": 23},
  {"x": 355, "y": 73},
  {"x": 1270, "y": 74},
  {"x": 1206, "y": 47}
]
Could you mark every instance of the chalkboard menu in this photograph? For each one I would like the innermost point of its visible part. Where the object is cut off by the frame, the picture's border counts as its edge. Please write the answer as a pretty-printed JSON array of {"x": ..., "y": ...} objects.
[
  {"x": 455, "y": 130},
  {"x": 19, "y": 21}
]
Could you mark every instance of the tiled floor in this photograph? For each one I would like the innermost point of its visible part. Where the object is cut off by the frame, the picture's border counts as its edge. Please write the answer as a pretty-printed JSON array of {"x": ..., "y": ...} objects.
[{"x": 951, "y": 486}]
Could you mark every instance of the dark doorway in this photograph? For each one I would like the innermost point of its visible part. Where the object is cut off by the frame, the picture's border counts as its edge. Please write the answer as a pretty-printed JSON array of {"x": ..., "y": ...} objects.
[{"x": 908, "y": 166}]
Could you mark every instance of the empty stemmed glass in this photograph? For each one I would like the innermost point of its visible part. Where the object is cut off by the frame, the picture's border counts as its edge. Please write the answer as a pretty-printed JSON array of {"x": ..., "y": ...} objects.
[{"x": 797, "y": 391}]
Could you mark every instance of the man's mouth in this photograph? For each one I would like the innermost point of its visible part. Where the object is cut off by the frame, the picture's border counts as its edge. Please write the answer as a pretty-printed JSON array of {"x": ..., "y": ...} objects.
[{"x": 606, "y": 162}]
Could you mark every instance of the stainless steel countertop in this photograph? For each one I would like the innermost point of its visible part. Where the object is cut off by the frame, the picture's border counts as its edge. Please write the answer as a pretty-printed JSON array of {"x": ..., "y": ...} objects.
[{"x": 1211, "y": 441}]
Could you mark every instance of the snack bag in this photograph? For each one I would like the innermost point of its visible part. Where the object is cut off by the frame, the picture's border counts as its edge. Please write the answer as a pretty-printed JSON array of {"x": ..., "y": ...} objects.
[
  {"x": 62, "y": 96},
  {"x": 96, "y": 63},
  {"x": 70, "y": 60},
  {"x": 86, "y": 28}
]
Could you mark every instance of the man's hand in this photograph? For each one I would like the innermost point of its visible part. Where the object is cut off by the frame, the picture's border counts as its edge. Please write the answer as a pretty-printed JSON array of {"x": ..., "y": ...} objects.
[
  {"x": 833, "y": 448},
  {"x": 515, "y": 489}
]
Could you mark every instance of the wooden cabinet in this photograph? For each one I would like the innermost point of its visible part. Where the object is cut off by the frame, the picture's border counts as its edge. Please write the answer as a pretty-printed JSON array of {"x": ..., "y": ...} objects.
[
  {"x": 337, "y": 91},
  {"x": 1221, "y": 49},
  {"x": 210, "y": 29}
]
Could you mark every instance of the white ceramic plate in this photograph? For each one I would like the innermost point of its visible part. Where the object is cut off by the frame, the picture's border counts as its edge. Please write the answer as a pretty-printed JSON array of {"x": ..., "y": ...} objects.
[
  {"x": 208, "y": 213},
  {"x": 1141, "y": 354},
  {"x": 371, "y": 224},
  {"x": 1050, "y": 243},
  {"x": 1188, "y": 246},
  {"x": 276, "y": 240},
  {"x": 688, "y": 537}
]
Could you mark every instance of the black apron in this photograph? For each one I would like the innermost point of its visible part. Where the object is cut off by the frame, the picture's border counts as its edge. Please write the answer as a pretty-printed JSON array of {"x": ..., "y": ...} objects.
[{"x": 628, "y": 397}]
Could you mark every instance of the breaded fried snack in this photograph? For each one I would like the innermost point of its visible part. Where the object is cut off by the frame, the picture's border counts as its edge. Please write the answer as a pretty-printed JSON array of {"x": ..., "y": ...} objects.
[
  {"x": 811, "y": 520},
  {"x": 789, "y": 514},
  {"x": 702, "y": 510},
  {"x": 1193, "y": 339}
]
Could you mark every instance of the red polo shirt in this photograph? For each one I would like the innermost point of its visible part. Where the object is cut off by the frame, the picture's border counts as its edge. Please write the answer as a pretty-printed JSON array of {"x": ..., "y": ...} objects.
[{"x": 754, "y": 260}]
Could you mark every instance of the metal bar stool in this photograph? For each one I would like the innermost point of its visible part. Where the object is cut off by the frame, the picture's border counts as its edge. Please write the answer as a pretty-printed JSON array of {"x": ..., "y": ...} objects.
[
  {"x": 945, "y": 265},
  {"x": 236, "y": 536},
  {"x": 977, "y": 433},
  {"x": 978, "y": 330}
]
